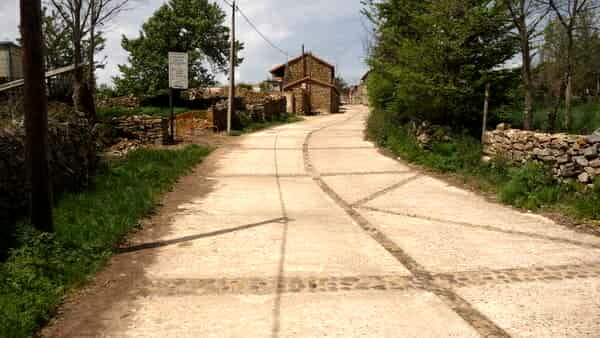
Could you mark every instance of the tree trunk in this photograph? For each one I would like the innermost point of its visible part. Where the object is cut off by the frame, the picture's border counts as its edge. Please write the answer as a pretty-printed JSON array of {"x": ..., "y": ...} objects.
[
  {"x": 568, "y": 97},
  {"x": 36, "y": 117},
  {"x": 527, "y": 82},
  {"x": 569, "y": 80},
  {"x": 82, "y": 98}
]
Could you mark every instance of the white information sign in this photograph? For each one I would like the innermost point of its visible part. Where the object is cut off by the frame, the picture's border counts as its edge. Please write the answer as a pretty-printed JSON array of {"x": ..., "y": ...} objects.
[{"x": 178, "y": 70}]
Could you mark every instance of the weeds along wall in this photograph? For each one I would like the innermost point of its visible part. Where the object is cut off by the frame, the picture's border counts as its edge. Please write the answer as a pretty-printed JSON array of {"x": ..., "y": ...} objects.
[
  {"x": 570, "y": 156},
  {"x": 72, "y": 161}
]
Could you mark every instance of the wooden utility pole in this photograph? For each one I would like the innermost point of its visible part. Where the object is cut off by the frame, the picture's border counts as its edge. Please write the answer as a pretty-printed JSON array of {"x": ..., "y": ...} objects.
[
  {"x": 485, "y": 112},
  {"x": 232, "y": 58},
  {"x": 36, "y": 116}
]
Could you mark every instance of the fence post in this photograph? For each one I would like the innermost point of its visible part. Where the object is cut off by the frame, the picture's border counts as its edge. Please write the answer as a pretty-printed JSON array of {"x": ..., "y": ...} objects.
[{"x": 485, "y": 112}]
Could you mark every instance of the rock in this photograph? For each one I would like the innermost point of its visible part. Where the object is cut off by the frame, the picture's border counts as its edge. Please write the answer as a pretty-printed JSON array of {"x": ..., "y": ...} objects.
[
  {"x": 542, "y": 152},
  {"x": 590, "y": 152},
  {"x": 595, "y": 163},
  {"x": 582, "y": 161},
  {"x": 594, "y": 137},
  {"x": 519, "y": 146},
  {"x": 584, "y": 178},
  {"x": 563, "y": 159},
  {"x": 590, "y": 171},
  {"x": 503, "y": 126}
]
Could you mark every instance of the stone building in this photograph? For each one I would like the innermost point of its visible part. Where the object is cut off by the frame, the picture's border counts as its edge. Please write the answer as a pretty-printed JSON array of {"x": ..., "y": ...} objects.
[
  {"x": 309, "y": 83},
  {"x": 358, "y": 93},
  {"x": 11, "y": 67}
]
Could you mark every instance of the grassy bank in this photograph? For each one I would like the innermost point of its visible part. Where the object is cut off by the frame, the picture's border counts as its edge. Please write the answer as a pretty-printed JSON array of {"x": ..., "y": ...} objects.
[
  {"x": 531, "y": 186},
  {"x": 88, "y": 225}
]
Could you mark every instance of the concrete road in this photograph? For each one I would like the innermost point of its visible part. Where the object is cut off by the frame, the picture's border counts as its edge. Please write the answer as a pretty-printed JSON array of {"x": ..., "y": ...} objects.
[{"x": 306, "y": 230}]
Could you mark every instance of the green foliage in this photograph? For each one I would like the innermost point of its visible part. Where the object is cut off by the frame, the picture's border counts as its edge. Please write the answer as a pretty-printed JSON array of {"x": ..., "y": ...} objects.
[
  {"x": 586, "y": 118},
  {"x": 432, "y": 59},
  {"x": 532, "y": 187},
  {"x": 194, "y": 26},
  {"x": 587, "y": 204},
  {"x": 105, "y": 113},
  {"x": 38, "y": 273},
  {"x": 341, "y": 85}
]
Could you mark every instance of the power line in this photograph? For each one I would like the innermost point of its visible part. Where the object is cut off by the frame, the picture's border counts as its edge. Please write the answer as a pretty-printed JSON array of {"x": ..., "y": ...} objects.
[{"x": 257, "y": 30}]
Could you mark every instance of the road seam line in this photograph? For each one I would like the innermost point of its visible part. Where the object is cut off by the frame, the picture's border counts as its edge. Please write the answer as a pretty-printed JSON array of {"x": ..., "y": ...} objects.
[
  {"x": 486, "y": 227},
  {"x": 464, "y": 309}
]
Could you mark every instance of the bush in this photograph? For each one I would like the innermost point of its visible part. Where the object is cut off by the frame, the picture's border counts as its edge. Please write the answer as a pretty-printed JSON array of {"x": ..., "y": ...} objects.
[
  {"x": 588, "y": 203},
  {"x": 88, "y": 224},
  {"x": 532, "y": 187}
]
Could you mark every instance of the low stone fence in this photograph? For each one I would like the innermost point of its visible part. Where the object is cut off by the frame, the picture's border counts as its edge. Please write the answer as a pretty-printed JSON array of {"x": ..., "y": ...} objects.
[
  {"x": 571, "y": 156},
  {"x": 256, "y": 108},
  {"x": 143, "y": 128},
  {"x": 72, "y": 161},
  {"x": 130, "y": 102}
]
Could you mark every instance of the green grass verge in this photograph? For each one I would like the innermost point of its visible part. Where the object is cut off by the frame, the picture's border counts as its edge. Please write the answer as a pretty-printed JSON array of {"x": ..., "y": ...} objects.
[
  {"x": 530, "y": 186},
  {"x": 249, "y": 126},
  {"x": 104, "y": 113},
  {"x": 88, "y": 225}
]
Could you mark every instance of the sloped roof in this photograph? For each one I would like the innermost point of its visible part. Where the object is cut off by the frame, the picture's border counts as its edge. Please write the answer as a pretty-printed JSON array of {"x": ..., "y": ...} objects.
[{"x": 278, "y": 67}]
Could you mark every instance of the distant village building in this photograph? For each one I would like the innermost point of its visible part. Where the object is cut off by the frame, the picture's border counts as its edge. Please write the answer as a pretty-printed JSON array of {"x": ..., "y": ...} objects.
[
  {"x": 359, "y": 93},
  {"x": 308, "y": 82},
  {"x": 11, "y": 66}
]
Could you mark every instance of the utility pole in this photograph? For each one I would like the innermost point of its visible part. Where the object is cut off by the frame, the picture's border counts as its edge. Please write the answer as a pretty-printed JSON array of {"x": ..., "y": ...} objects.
[
  {"x": 35, "y": 104},
  {"x": 232, "y": 58}
]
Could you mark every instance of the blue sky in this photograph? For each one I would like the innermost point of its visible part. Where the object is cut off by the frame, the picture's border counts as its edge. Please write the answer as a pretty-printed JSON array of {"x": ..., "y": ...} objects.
[{"x": 332, "y": 29}]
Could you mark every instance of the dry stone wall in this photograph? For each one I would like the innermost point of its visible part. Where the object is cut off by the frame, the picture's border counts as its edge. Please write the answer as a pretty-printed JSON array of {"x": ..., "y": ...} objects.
[
  {"x": 143, "y": 128},
  {"x": 72, "y": 161},
  {"x": 571, "y": 156}
]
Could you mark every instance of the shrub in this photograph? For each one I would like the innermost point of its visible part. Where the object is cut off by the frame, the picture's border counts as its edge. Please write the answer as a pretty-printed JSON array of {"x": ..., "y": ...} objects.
[{"x": 531, "y": 187}]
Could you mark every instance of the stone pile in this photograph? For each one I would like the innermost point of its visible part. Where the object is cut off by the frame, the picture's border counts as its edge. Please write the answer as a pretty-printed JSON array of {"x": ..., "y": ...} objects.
[
  {"x": 72, "y": 162},
  {"x": 130, "y": 102},
  {"x": 427, "y": 134},
  {"x": 143, "y": 128},
  {"x": 266, "y": 108},
  {"x": 571, "y": 156}
]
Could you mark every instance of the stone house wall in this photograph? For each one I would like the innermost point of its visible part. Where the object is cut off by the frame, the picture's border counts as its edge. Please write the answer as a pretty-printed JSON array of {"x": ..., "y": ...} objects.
[
  {"x": 313, "y": 88},
  {"x": 570, "y": 156},
  {"x": 321, "y": 98}
]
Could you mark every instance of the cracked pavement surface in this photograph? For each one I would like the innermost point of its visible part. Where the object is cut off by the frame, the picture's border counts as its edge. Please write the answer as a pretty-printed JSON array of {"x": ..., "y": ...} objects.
[{"x": 306, "y": 230}]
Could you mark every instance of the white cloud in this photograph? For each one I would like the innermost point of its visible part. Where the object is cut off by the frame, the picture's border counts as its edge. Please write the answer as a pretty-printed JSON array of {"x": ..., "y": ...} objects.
[{"x": 330, "y": 28}]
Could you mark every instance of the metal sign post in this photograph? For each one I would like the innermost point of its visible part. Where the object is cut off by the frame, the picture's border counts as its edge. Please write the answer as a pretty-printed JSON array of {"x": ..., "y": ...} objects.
[{"x": 178, "y": 79}]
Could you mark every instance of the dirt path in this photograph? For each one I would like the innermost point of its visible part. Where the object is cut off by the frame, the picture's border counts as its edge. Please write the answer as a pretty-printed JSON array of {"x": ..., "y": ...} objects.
[{"x": 306, "y": 230}]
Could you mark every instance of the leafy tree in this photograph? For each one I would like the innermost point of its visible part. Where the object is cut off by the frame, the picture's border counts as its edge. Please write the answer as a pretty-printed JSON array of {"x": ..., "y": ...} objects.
[
  {"x": 569, "y": 13},
  {"x": 341, "y": 85},
  {"x": 193, "y": 26},
  {"x": 433, "y": 58},
  {"x": 57, "y": 41},
  {"x": 526, "y": 16}
]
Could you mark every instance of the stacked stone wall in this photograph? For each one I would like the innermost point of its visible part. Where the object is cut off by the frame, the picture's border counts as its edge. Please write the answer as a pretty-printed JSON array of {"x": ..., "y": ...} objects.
[
  {"x": 570, "y": 156},
  {"x": 72, "y": 162},
  {"x": 143, "y": 128}
]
